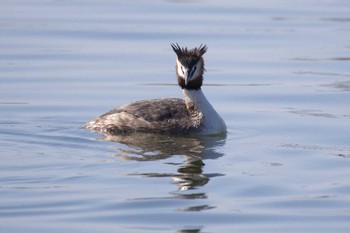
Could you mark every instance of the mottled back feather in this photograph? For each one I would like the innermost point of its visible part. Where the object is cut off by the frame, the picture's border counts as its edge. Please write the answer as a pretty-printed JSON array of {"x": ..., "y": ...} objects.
[
  {"x": 169, "y": 115},
  {"x": 155, "y": 110}
]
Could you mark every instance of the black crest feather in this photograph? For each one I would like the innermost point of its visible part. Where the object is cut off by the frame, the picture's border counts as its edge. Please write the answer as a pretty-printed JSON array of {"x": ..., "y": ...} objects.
[
  {"x": 185, "y": 52},
  {"x": 189, "y": 57}
]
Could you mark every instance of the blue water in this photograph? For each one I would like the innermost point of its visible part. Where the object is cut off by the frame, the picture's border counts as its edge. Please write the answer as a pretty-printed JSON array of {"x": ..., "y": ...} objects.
[{"x": 277, "y": 72}]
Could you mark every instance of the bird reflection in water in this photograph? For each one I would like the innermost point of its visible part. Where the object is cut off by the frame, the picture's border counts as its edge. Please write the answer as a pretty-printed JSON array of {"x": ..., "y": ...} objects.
[{"x": 195, "y": 149}]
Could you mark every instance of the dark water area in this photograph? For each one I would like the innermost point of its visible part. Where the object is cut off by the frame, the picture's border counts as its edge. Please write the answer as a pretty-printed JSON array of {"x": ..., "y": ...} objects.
[{"x": 277, "y": 72}]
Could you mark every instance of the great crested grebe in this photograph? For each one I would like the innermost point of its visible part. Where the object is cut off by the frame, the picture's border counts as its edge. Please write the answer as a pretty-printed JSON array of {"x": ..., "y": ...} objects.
[{"x": 192, "y": 115}]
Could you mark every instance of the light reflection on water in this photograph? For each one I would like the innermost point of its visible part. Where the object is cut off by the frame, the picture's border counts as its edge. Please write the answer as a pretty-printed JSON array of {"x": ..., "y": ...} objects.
[
  {"x": 277, "y": 72},
  {"x": 150, "y": 147}
]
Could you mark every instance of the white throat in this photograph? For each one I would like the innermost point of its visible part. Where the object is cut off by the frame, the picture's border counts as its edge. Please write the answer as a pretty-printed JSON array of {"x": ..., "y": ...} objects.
[{"x": 212, "y": 122}]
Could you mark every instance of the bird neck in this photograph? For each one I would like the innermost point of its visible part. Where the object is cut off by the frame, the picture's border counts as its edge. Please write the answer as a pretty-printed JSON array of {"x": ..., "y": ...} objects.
[
  {"x": 196, "y": 101},
  {"x": 197, "y": 98},
  {"x": 199, "y": 107}
]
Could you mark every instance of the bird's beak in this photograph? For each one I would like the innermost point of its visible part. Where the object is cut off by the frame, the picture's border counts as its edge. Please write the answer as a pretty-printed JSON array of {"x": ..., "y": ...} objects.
[{"x": 186, "y": 76}]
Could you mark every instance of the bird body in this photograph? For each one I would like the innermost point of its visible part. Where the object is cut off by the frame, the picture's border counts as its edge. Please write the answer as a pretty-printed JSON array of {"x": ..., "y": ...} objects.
[{"x": 191, "y": 115}]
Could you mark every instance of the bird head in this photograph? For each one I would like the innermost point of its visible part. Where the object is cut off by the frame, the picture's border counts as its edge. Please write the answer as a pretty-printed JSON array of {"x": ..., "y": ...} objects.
[{"x": 189, "y": 66}]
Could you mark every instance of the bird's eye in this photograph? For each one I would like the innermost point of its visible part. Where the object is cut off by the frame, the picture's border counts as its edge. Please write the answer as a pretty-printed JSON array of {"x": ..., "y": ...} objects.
[{"x": 193, "y": 70}]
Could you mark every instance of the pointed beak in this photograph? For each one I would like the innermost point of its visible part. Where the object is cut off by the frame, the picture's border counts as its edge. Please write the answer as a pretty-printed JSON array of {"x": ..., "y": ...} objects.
[{"x": 186, "y": 76}]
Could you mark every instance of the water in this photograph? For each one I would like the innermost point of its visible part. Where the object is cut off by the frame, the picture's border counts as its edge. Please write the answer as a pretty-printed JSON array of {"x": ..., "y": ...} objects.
[{"x": 277, "y": 71}]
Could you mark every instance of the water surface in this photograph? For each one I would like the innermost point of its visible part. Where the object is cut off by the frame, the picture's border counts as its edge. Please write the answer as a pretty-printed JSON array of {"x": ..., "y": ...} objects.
[{"x": 277, "y": 72}]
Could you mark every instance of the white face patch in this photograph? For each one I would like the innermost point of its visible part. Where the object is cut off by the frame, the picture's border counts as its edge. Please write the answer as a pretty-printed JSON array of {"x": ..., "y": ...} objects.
[
  {"x": 187, "y": 74},
  {"x": 181, "y": 70}
]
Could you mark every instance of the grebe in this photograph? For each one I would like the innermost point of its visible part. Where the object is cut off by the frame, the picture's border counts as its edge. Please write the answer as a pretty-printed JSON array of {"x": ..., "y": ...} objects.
[{"x": 192, "y": 115}]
